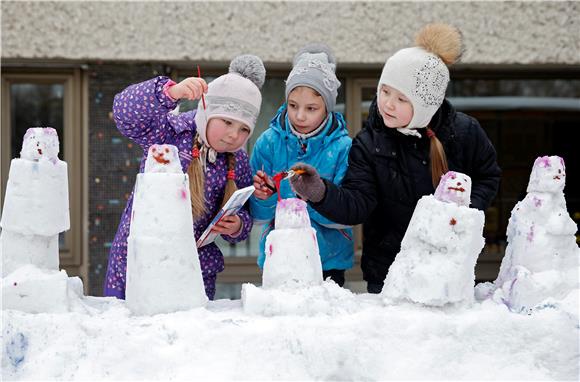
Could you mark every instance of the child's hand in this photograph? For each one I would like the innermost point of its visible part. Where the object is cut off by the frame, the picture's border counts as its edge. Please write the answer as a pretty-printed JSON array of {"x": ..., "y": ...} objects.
[
  {"x": 229, "y": 225},
  {"x": 308, "y": 185},
  {"x": 190, "y": 88},
  {"x": 263, "y": 185}
]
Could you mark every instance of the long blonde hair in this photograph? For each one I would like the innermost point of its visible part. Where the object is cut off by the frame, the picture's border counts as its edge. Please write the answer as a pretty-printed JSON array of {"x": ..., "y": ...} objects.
[{"x": 197, "y": 180}]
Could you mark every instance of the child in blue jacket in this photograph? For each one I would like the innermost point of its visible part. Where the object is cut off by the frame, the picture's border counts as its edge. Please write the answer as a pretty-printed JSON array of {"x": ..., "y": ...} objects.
[{"x": 306, "y": 129}]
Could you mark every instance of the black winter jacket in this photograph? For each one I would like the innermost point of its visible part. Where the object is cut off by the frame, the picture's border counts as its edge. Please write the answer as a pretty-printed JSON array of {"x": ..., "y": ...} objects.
[{"x": 388, "y": 172}]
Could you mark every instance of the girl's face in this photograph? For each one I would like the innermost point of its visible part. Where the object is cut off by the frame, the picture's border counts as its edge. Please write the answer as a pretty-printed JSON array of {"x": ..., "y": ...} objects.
[
  {"x": 226, "y": 135},
  {"x": 306, "y": 109},
  {"x": 394, "y": 107}
]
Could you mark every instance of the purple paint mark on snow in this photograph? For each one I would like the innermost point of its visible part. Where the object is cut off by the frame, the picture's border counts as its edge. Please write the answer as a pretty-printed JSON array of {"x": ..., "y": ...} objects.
[{"x": 530, "y": 236}]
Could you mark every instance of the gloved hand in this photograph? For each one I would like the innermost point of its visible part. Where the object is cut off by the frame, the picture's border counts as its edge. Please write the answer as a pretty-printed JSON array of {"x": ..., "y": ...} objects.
[{"x": 308, "y": 184}]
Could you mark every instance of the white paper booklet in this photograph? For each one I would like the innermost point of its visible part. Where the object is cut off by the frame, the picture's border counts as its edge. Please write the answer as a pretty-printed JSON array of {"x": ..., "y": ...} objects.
[{"x": 230, "y": 208}]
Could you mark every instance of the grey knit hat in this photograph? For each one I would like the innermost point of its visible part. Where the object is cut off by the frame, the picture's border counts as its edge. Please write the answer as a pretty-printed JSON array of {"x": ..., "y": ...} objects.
[{"x": 314, "y": 66}]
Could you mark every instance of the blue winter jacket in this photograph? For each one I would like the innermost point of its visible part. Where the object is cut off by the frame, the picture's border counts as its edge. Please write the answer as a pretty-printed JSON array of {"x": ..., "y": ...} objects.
[{"x": 276, "y": 150}]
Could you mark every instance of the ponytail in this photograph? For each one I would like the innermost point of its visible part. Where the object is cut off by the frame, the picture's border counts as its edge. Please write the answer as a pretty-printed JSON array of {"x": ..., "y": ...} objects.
[{"x": 437, "y": 157}]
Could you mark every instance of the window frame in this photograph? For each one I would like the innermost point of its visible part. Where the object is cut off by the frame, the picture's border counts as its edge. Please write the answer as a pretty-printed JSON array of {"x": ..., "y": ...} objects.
[{"x": 74, "y": 258}]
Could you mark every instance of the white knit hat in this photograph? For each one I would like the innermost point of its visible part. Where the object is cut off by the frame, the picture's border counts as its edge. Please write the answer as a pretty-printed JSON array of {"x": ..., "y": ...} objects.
[
  {"x": 421, "y": 72},
  {"x": 235, "y": 95}
]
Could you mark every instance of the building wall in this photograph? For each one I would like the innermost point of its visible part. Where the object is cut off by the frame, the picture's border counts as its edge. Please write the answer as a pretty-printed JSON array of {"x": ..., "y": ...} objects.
[{"x": 359, "y": 32}]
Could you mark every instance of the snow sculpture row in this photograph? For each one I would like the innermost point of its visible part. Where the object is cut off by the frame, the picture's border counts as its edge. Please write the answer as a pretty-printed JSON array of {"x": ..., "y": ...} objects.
[{"x": 434, "y": 267}]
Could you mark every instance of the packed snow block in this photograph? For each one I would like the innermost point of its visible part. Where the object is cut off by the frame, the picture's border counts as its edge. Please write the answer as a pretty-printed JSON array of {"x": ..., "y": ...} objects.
[
  {"x": 21, "y": 249},
  {"x": 438, "y": 254},
  {"x": 528, "y": 289},
  {"x": 161, "y": 206},
  {"x": 163, "y": 276},
  {"x": 327, "y": 298},
  {"x": 36, "y": 201},
  {"x": 33, "y": 290},
  {"x": 163, "y": 269},
  {"x": 292, "y": 258},
  {"x": 541, "y": 261}
]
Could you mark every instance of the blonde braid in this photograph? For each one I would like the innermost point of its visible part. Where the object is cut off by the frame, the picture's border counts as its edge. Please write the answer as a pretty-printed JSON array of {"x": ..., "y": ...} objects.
[{"x": 196, "y": 181}]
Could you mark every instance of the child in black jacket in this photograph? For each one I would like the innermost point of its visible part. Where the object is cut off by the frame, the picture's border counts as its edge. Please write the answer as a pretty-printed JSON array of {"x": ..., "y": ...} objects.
[{"x": 412, "y": 137}]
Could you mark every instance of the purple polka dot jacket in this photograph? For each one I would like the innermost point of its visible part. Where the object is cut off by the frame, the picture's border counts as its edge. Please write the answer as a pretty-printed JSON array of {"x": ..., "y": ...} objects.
[{"x": 141, "y": 113}]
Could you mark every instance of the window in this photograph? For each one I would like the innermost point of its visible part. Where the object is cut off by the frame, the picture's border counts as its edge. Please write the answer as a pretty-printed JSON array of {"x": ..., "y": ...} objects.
[{"x": 49, "y": 100}]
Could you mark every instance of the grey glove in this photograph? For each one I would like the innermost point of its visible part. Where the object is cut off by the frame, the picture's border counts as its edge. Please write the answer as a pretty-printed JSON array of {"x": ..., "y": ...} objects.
[{"x": 307, "y": 185}]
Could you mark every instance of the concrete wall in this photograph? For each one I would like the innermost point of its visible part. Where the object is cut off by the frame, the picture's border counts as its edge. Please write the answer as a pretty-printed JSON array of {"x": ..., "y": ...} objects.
[{"x": 359, "y": 32}]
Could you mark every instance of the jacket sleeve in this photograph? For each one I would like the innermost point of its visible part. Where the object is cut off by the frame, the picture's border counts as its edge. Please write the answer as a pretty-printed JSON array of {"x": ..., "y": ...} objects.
[
  {"x": 485, "y": 173},
  {"x": 243, "y": 179},
  {"x": 263, "y": 211},
  {"x": 354, "y": 200},
  {"x": 341, "y": 168},
  {"x": 141, "y": 111}
]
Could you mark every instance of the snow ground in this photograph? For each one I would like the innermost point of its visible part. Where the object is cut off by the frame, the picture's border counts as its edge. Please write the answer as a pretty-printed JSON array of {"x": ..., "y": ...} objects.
[{"x": 360, "y": 339}]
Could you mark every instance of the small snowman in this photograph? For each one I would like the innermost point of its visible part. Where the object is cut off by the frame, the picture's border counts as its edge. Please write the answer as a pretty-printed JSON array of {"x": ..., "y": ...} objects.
[
  {"x": 292, "y": 257},
  {"x": 35, "y": 211},
  {"x": 36, "y": 205},
  {"x": 163, "y": 269},
  {"x": 541, "y": 258},
  {"x": 435, "y": 265}
]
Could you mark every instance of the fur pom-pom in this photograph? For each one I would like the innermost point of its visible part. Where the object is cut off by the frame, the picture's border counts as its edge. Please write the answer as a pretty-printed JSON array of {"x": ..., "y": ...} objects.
[
  {"x": 443, "y": 40},
  {"x": 314, "y": 48},
  {"x": 250, "y": 67}
]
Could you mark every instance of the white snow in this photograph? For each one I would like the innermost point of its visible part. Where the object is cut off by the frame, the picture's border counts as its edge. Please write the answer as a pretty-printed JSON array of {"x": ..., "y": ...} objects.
[
  {"x": 293, "y": 331},
  {"x": 292, "y": 256},
  {"x": 357, "y": 338},
  {"x": 36, "y": 205},
  {"x": 163, "y": 268},
  {"x": 163, "y": 158},
  {"x": 541, "y": 263},
  {"x": 438, "y": 254}
]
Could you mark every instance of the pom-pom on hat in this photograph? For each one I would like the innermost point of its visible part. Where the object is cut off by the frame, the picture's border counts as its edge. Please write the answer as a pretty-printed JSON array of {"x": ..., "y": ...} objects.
[
  {"x": 235, "y": 95},
  {"x": 314, "y": 66},
  {"x": 421, "y": 72}
]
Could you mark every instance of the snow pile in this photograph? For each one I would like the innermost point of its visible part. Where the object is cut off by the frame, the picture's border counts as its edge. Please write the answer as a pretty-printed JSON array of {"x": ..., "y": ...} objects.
[
  {"x": 541, "y": 262},
  {"x": 35, "y": 290},
  {"x": 359, "y": 340},
  {"x": 163, "y": 269},
  {"x": 36, "y": 206},
  {"x": 327, "y": 298},
  {"x": 440, "y": 248},
  {"x": 35, "y": 212}
]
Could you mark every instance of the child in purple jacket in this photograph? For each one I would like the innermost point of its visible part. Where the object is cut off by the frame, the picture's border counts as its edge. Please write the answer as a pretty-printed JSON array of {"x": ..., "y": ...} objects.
[{"x": 209, "y": 142}]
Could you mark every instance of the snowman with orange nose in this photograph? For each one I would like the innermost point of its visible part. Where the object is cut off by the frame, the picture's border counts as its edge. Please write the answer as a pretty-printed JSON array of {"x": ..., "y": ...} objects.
[{"x": 436, "y": 263}]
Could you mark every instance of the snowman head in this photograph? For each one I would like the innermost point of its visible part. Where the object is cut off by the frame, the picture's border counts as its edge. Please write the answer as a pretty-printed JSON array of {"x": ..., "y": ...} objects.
[
  {"x": 454, "y": 187},
  {"x": 40, "y": 143},
  {"x": 163, "y": 158},
  {"x": 291, "y": 213},
  {"x": 548, "y": 175}
]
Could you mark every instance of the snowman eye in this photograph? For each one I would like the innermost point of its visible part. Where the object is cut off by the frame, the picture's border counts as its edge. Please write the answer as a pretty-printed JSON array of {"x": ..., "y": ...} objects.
[
  {"x": 167, "y": 150},
  {"x": 153, "y": 149}
]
